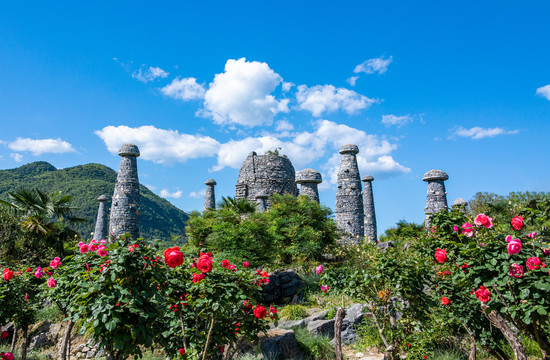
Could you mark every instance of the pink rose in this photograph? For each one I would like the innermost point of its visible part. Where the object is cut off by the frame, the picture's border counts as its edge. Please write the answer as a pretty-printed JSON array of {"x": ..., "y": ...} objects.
[
  {"x": 440, "y": 255},
  {"x": 8, "y": 356},
  {"x": 51, "y": 282},
  {"x": 467, "y": 227},
  {"x": 516, "y": 270},
  {"x": 319, "y": 269},
  {"x": 324, "y": 288},
  {"x": 534, "y": 263},
  {"x": 514, "y": 246},
  {"x": 532, "y": 235},
  {"x": 84, "y": 248},
  {"x": 55, "y": 263},
  {"x": 455, "y": 228},
  {"x": 38, "y": 272},
  {"x": 484, "y": 220},
  {"x": 483, "y": 294},
  {"x": 517, "y": 222},
  {"x": 102, "y": 250},
  {"x": 246, "y": 264}
]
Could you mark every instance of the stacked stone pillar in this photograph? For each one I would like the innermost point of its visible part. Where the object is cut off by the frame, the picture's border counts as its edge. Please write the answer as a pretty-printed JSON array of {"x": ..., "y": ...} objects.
[
  {"x": 460, "y": 204},
  {"x": 101, "y": 230},
  {"x": 209, "y": 195},
  {"x": 261, "y": 202},
  {"x": 308, "y": 180},
  {"x": 126, "y": 199},
  {"x": 436, "y": 196},
  {"x": 348, "y": 211},
  {"x": 368, "y": 205}
]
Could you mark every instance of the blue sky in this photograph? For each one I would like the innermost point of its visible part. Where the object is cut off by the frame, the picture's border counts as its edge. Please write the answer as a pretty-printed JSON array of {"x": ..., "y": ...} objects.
[{"x": 462, "y": 87}]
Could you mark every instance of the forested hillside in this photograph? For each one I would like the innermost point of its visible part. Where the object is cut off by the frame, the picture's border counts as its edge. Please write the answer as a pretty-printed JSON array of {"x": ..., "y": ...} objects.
[{"x": 159, "y": 218}]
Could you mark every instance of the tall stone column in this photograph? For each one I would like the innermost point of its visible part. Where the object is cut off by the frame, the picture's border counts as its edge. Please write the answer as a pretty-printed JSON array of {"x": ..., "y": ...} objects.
[
  {"x": 436, "y": 196},
  {"x": 261, "y": 202},
  {"x": 460, "y": 204},
  {"x": 308, "y": 180},
  {"x": 101, "y": 230},
  {"x": 209, "y": 195},
  {"x": 125, "y": 202},
  {"x": 368, "y": 205},
  {"x": 348, "y": 211}
]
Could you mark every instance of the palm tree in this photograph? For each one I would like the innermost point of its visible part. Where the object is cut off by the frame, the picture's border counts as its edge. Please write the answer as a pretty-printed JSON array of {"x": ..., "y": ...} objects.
[
  {"x": 47, "y": 216},
  {"x": 239, "y": 206}
]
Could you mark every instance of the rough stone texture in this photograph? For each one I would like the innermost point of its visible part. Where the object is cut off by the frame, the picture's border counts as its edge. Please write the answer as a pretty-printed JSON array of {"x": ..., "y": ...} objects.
[
  {"x": 267, "y": 174},
  {"x": 282, "y": 284},
  {"x": 348, "y": 211},
  {"x": 321, "y": 327},
  {"x": 280, "y": 344},
  {"x": 261, "y": 202},
  {"x": 368, "y": 205},
  {"x": 209, "y": 195},
  {"x": 125, "y": 202},
  {"x": 308, "y": 180},
  {"x": 436, "y": 196},
  {"x": 383, "y": 246},
  {"x": 101, "y": 230},
  {"x": 354, "y": 316},
  {"x": 460, "y": 204},
  {"x": 45, "y": 335}
]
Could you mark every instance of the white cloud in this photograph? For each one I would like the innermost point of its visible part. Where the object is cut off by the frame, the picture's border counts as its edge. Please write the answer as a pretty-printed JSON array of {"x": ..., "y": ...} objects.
[
  {"x": 184, "y": 89},
  {"x": 544, "y": 91},
  {"x": 399, "y": 121},
  {"x": 352, "y": 80},
  {"x": 41, "y": 146},
  {"x": 477, "y": 132},
  {"x": 158, "y": 145},
  {"x": 16, "y": 157},
  {"x": 284, "y": 125},
  {"x": 197, "y": 194},
  {"x": 167, "y": 194},
  {"x": 327, "y": 98},
  {"x": 287, "y": 86},
  {"x": 151, "y": 73},
  {"x": 242, "y": 94},
  {"x": 379, "y": 65}
]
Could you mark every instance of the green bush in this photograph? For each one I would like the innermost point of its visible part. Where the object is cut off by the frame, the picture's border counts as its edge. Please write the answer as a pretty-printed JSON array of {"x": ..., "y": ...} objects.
[
  {"x": 314, "y": 347},
  {"x": 293, "y": 312}
]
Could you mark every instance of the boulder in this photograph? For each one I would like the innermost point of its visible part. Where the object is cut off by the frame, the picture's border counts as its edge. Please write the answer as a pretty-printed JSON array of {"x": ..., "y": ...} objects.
[
  {"x": 47, "y": 334},
  {"x": 282, "y": 284},
  {"x": 280, "y": 344},
  {"x": 354, "y": 316},
  {"x": 321, "y": 327}
]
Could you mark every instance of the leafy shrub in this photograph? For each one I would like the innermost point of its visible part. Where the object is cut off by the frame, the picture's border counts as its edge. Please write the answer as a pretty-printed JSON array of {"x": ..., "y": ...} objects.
[{"x": 293, "y": 312}]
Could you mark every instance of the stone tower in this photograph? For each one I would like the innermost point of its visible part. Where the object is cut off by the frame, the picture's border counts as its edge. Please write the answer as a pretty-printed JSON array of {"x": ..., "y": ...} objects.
[
  {"x": 437, "y": 196},
  {"x": 101, "y": 230},
  {"x": 125, "y": 201},
  {"x": 460, "y": 204},
  {"x": 348, "y": 211},
  {"x": 308, "y": 180},
  {"x": 268, "y": 173},
  {"x": 368, "y": 204},
  {"x": 261, "y": 202},
  {"x": 209, "y": 195}
]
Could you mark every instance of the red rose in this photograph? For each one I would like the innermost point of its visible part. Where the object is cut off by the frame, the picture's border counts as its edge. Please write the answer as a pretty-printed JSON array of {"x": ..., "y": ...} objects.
[
  {"x": 441, "y": 255},
  {"x": 8, "y": 274},
  {"x": 445, "y": 301},
  {"x": 198, "y": 277},
  {"x": 173, "y": 257},
  {"x": 204, "y": 263},
  {"x": 181, "y": 351},
  {"x": 5, "y": 334},
  {"x": 246, "y": 264},
  {"x": 408, "y": 345},
  {"x": 483, "y": 294},
  {"x": 225, "y": 263},
  {"x": 517, "y": 222},
  {"x": 534, "y": 263},
  {"x": 29, "y": 269},
  {"x": 260, "y": 312}
]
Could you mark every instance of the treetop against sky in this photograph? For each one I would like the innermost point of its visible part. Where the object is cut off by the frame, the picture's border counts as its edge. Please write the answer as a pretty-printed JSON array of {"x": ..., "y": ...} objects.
[{"x": 463, "y": 87}]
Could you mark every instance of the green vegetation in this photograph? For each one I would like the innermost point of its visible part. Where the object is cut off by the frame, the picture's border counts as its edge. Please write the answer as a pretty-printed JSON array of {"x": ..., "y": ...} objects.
[
  {"x": 314, "y": 347},
  {"x": 85, "y": 183},
  {"x": 293, "y": 312}
]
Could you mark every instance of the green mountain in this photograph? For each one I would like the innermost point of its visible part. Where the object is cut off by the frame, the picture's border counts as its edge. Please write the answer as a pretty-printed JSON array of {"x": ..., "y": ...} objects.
[{"x": 159, "y": 218}]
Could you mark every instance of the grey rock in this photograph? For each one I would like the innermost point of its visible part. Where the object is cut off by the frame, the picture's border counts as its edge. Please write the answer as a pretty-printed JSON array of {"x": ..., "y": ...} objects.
[
  {"x": 321, "y": 327},
  {"x": 282, "y": 284},
  {"x": 436, "y": 195},
  {"x": 348, "y": 210},
  {"x": 101, "y": 230},
  {"x": 90, "y": 354},
  {"x": 47, "y": 334},
  {"x": 280, "y": 344},
  {"x": 321, "y": 315},
  {"x": 460, "y": 204},
  {"x": 126, "y": 199},
  {"x": 385, "y": 245},
  {"x": 261, "y": 202},
  {"x": 288, "y": 324},
  {"x": 209, "y": 195},
  {"x": 265, "y": 173},
  {"x": 368, "y": 205},
  {"x": 309, "y": 179},
  {"x": 354, "y": 316}
]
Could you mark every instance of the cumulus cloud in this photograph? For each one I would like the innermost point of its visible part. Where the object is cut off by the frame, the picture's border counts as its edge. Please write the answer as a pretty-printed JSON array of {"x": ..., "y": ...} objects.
[
  {"x": 41, "y": 146},
  {"x": 197, "y": 194},
  {"x": 16, "y": 157},
  {"x": 147, "y": 74},
  {"x": 167, "y": 194},
  {"x": 159, "y": 145},
  {"x": 184, "y": 89},
  {"x": 544, "y": 91},
  {"x": 390, "y": 120},
  {"x": 352, "y": 80},
  {"x": 327, "y": 98},
  {"x": 477, "y": 132},
  {"x": 242, "y": 94},
  {"x": 284, "y": 125},
  {"x": 371, "y": 66}
]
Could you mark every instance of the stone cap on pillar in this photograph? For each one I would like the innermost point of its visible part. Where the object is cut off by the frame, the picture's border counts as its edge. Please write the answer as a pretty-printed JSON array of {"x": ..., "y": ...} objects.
[
  {"x": 102, "y": 198},
  {"x": 367, "y": 178},
  {"x": 349, "y": 148},
  {"x": 308, "y": 176},
  {"x": 460, "y": 202},
  {"x": 129, "y": 150},
  {"x": 435, "y": 175},
  {"x": 210, "y": 182},
  {"x": 262, "y": 195}
]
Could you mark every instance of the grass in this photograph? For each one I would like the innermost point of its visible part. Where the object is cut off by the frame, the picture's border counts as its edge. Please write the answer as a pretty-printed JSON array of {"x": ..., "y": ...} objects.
[
  {"x": 293, "y": 312},
  {"x": 51, "y": 313},
  {"x": 368, "y": 336},
  {"x": 314, "y": 347},
  {"x": 449, "y": 354}
]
